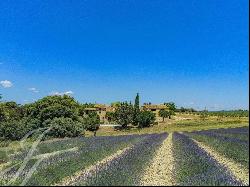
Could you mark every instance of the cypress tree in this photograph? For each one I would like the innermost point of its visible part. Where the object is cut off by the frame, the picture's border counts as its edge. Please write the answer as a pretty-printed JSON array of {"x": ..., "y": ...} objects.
[{"x": 136, "y": 109}]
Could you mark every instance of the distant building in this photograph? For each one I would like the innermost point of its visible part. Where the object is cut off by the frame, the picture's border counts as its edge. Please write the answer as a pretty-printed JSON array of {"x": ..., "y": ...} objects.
[
  {"x": 155, "y": 109},
  {"x": 102, "y": 109}
]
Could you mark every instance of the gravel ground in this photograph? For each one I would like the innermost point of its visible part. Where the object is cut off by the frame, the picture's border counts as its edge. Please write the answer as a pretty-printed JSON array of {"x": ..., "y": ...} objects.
[
  {"x": 160, "y": 171},
  {"x": 239, "y": 172}
]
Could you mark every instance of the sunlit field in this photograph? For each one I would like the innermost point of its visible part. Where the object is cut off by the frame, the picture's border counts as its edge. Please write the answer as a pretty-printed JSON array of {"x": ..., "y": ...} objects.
[{"x": 208, "y": 157}]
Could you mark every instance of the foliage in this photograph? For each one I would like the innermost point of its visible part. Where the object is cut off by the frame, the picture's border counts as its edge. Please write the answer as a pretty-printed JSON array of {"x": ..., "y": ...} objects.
[
  {"x": 17, "y": 129},
  {"x": 146, "y": 118},
  {"x": 82, "y": 107},
  {"x": 164, "y": 114},
  {"x": 230, "y": 113},
  {"x": 171, "y": 113},
  {"x": 10, "y": 111},
  {"x": 53, "y": 106},
  {"x": 186, "y": 110},
  {"x": 110, "y": 116},
  {"x": 92, "y": 122},
  {"x": 136, "y": 110},
  {"x": 116, "y": 104},
  {"x": 65, "y": 127},
  {"x": 171, "y": 106},
  {"x": 204, "y": 115},
  {"x": 124, "y": 114},
  {"x": 17, "y": 120}
]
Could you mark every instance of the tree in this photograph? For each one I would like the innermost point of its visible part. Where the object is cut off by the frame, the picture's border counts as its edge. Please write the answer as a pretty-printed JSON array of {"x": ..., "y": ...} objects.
[
  {"x": 171, "y": 113},
  {"x": 82, "y": 107},
  {"x": 92, "y": 122},
  {"x": 65, "y": 127},
  {"x": 204, "y": 115},
  {"x": 124, "y": 114},
  {"x": 110, "y": 116},
  {"x": 10, "y": 111},
  {"x": 136, "y": 109},
  {"x": 145, "y": 119},
  {"x": 116, "y": 104},
  {"x": 51, "y": 107},
  {"x": 164, "y": 114},
  {"x": 171, "y": 106},
  {"x": 55, "y": 111},
  {"x": 17, "y": 129},
  {"x": 182, "y": 109}
]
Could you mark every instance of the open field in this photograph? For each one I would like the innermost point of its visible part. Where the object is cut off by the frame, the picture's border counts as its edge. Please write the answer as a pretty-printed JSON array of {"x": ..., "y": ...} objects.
[
  {"x": 207, "y": 157},
  {"x": 181, "y": 122}
]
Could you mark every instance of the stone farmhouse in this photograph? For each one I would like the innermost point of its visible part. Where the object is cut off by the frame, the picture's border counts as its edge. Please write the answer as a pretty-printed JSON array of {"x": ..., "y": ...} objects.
[
  {"x": 155, "y": 109},
  {"x": 102, "y": 109}
]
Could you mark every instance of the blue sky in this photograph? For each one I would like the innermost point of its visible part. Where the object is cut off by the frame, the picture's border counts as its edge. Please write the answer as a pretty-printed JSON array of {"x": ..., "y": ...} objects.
[{"x": 194, "y": 53}]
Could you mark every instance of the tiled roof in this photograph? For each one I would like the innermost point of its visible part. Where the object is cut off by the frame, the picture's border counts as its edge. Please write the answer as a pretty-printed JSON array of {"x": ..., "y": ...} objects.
[
  {"x": 100, "y": 106},
  {"x": 155, "y": 106},
  {"x": 90, "y": 109}
]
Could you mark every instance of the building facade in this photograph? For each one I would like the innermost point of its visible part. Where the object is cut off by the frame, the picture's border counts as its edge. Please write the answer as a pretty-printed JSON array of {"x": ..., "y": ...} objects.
[
  {"x": 155, "y": 109},
  {"x": 102, "y": 110}
]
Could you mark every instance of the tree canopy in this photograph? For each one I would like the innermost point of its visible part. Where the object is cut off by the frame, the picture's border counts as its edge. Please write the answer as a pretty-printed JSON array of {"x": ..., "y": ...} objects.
[{"x": 124, "y": 114}]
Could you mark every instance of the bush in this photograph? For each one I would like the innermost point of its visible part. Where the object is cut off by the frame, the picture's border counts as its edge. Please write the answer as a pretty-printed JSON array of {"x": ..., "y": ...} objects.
[
  {"x": 65, "y": 127},
  {"x": 17, "y": 129},
  {"x": 92, "y": 122},
  {"x": 110, "y": 116},
  {"x": 146, "y": 118},
  {"x": 10, "y": 111},
  {"x": 124, "y": 114},
  {"x": 57, "y": 111},
  {"x": 53, "y": 107}
]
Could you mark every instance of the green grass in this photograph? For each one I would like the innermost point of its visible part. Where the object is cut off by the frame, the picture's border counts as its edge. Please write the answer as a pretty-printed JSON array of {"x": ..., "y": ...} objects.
[{"x": 176, "y": 126}]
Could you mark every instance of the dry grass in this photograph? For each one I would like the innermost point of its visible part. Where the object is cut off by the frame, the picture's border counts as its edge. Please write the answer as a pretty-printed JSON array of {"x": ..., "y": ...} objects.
[{"x": 181, "y": 122}]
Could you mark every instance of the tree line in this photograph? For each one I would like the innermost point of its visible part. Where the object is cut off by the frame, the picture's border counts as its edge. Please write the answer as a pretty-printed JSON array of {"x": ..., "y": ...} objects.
[{"x": 65, "y": 117}]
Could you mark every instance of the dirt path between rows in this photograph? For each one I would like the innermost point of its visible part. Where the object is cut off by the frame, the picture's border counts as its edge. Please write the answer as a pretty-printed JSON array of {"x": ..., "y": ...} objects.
[
  {"x": 160, "y": 171},
  {"x": 81, "y": 175},
  {"x": 239, "y": 172}
]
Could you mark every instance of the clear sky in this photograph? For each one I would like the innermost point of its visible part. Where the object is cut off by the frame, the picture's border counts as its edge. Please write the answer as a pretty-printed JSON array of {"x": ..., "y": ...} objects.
[{"x": 194, "y": 53}]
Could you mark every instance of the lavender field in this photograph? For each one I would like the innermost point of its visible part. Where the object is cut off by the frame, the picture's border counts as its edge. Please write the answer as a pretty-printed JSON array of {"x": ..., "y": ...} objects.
[{"x": 211, "y": 157}]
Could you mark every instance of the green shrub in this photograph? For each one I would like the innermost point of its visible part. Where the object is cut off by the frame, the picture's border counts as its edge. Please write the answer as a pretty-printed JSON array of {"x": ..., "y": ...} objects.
[
  {"x": 124, "y": 114},
  {"x": 92, "y": 122},
  {"x": 65, "y": 127},
  {"x": 17, "y": 129},
  {"x": 146, "y": 118}
]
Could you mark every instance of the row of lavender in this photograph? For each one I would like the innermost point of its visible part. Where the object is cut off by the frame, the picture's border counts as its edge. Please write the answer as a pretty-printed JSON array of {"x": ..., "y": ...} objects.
[
  {"x": 128, "y": 168},
  {"x": 89, "y": 150},
  {"x": 194, "y": 166},
  {"x": 237, "y": 135},
  {"x": 231, "y": 143}
]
